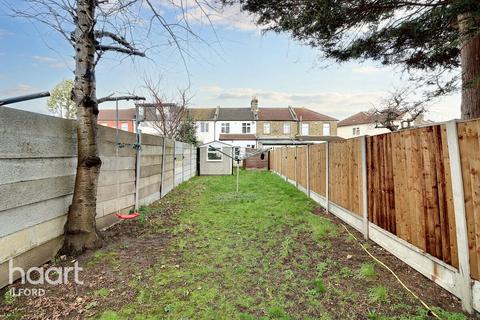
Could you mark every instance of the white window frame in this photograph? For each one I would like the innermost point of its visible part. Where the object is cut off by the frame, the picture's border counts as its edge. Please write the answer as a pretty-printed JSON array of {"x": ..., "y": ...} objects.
[
  {"x": 215, "y": 152},
  {"x": 266, "y": 128},
  {"x": 305, "y": 125},
  {"x": 204, "y": 126},
  {"x": 123, "y": 125},
  {"x": 354, "y": 131},
  {"x": 225, "y": 127},
  {"x": 326, "y": 129},
  {"x": 358, "y": 131},
  {"x": 245, "y": 126},
  {"x": 287, "y": 128}
]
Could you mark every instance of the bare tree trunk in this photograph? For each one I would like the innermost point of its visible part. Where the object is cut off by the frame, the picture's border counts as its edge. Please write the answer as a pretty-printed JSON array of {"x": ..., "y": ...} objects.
[
  {"x": 470, "y": 59},
  {"x": 80, "y": 229}
]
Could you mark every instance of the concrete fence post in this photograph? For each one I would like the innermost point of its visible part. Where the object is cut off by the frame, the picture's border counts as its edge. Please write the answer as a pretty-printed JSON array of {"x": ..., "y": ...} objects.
[
  {"x": 464, "y": 281},
  {"x": 364, "y": 187},
  {"x": 327, "y": 177},
  {"x": 308, "y": 170},
  {"x": 162, "y": 178}
]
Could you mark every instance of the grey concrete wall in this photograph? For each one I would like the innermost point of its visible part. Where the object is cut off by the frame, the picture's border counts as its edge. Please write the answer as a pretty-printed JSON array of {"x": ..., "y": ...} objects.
[
  {"x": 215, "y": 167},
  {"x": 37, "y": 173}
]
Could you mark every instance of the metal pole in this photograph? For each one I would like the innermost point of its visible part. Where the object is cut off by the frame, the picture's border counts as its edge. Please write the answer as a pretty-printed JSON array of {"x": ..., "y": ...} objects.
[
  {"x": 24, "y": 98},
  {"x": 238, "y": 172},
  {"x": 139, "y": 143},
  {"x": 139, "y": 157}
]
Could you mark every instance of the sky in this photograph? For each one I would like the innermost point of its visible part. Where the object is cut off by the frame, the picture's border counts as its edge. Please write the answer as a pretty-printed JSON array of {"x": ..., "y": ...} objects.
[{"x": 232, "y": 62}]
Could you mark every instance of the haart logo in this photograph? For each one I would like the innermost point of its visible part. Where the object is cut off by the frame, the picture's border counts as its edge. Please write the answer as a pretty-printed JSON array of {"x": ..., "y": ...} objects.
[{"x": 52, "y": 275}]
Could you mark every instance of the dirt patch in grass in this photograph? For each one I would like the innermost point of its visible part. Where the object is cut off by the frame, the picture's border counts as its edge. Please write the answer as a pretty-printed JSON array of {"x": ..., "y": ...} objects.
[{"x": 130, "y": 249}]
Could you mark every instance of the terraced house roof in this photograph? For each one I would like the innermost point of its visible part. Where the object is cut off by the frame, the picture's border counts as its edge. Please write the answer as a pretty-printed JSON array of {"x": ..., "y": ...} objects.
[
  {"x": 304, "y": 114},
  {"x": 202, "y": 114},
  {"x": 110, "y": 114},
  {"x": 235, "y": 114},
  {"x": 275, "y": 114}
]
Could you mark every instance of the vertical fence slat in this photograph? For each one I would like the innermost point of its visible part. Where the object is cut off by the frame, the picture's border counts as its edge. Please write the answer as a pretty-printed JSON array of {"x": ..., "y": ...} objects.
[{"x": 460, "y": 216}]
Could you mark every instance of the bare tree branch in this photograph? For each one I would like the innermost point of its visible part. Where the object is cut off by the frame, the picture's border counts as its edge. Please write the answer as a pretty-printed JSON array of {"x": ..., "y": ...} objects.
[
  {"x": 119, "y": 98},
  {"x": 398, "y": 111}
]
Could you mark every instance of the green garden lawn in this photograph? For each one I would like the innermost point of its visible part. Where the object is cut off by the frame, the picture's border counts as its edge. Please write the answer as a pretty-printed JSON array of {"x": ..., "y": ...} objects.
[{"x": 267, "y": 252}]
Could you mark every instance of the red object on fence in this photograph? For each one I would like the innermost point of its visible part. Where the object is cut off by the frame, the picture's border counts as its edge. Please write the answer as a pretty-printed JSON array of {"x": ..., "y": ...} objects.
[{"x": 127, "y": 216}]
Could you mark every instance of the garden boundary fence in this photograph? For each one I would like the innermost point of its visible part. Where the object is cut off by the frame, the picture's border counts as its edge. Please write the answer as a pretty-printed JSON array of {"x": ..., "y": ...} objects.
[
  {"x": 38, "y": 158},
  {"x": 414, "y": 192}
]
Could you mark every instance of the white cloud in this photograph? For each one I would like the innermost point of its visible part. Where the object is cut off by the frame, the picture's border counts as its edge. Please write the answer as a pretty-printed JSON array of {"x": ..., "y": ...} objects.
[
  {"x": 5, "y": 33},
  {"x": 337, "y": 104},
  {"x": 18, "y": 90},
  {"x": 229, "y": 17},
  {"x": 211, "y": 89},
  {"x": 365, "y": 69},
  {"x": 52, "y": 62}
]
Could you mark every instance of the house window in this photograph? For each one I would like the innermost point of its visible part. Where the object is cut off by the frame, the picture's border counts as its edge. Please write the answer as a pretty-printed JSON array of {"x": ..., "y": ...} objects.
[
  {"x": 246, "y": 127},
  {"x": 213, "y": 154},
  {"x": 356, "y": 131},
  {"x": 124, "y": 126},
  {"x": 286, "y": 128},
  {"x": 237, "y": 152},
  {"x": 203, "y": 126},
  {"x": 326, "y": 129},
  {"x": 266, "y": 128},
  {"x": 225, "y": 127},
  {"x": 305, "y": 129}
]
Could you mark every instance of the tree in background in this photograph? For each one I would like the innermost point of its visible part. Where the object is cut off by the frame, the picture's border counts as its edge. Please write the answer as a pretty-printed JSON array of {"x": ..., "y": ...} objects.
[
  {"x": 188, "y": 131},
  {"x": 60, "y": 101},
  {"x": 167, "y": 116},
  {"x": 430, "y": 38},
  {"x": 398, "y": 111}
]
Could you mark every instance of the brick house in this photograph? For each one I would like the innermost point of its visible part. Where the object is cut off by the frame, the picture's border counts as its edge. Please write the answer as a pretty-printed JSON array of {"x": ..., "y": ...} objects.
[
  {"x": 311, "y": 123},
  {"x": 126, "y": 119}
]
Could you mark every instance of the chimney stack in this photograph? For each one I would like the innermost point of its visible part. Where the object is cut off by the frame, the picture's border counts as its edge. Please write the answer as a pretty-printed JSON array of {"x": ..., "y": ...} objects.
[
  {"x": 254, "y": 107},
  {"x": 254, "y": 104}
]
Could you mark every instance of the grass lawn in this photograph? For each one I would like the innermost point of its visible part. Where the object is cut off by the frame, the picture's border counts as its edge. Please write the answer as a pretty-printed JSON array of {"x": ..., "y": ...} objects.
[{"x": 268, "y": 252}]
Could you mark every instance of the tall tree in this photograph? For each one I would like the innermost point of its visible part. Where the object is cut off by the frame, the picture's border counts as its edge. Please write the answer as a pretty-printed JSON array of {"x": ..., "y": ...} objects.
[
  {"x": 433, "y": 36},
  {"x": 94, "y": 28},
  {"x": 60, "y": 101}
]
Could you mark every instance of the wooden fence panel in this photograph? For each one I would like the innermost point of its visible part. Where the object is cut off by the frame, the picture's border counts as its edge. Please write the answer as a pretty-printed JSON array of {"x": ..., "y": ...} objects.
[
  {"x": 302, "y": 166},
  {"x": 283, "y": 161},
  {"x": 346, "y": 174},
  {"x": 291, "y": 163},
  {"x": 317, "y": 172},
  {"x": 469, "y": 143},
  {"x": 410, "y": 193}
]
